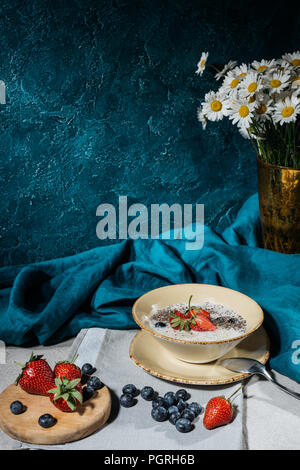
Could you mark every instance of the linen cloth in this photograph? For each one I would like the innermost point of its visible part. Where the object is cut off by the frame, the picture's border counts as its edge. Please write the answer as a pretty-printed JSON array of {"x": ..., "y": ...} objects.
[
  {"x": 51, "y": 301},
  {"x": 134, "y": 428}
]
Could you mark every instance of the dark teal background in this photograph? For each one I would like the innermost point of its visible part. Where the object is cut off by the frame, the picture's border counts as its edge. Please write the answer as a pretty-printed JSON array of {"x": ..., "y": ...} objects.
[{"x": 101, "y": 102}]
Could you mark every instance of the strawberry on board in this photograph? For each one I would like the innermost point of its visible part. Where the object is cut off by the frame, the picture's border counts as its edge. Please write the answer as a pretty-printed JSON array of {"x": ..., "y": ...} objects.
[
  {"x": 67, "y": 369},
  {"x": 66, "y": 394},
  {"x": 36, "y": 376},
  {"x": 202, "y": 323},
  {"x": 219, "y": 411}
]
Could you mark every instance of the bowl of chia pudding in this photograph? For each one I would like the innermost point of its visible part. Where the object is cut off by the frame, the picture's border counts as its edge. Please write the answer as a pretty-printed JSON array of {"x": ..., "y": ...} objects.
[{"x": 197, "y": 323}]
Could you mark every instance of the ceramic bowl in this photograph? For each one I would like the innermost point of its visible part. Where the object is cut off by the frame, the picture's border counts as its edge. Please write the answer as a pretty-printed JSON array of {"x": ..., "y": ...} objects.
[{"x": 197, "y": 351}]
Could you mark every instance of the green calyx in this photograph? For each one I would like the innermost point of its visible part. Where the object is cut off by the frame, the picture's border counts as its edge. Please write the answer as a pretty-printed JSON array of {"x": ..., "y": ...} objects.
[
  {"x": 184, "y": 323},
  {"x": 33, "y": 358},
  {"x": 69, "y": 362},
  {"x": 66, "y": 389}
]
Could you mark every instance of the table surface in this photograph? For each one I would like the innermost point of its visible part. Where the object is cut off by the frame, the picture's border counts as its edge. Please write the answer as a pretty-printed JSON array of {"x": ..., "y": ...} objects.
[{"x": 272, "y": 418}]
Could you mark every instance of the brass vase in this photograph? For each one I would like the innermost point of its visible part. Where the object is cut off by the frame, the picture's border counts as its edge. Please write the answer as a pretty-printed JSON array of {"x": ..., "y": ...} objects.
[{"x": 279, "y": 204}]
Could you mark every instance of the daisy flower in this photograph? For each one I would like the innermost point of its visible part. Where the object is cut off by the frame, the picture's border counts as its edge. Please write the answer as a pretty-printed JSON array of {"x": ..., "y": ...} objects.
[
  {"x": 277, "y": 81},
  {"x": 251, "y": 84},
  {"x": 202, "y": 63},
  {"x": 263, "y": 65},
  {"x": 293, "y": 59},
  {"x": 230, "y": 84},
  {"x": 231, "y": 64},
  {"x": 295, "y": 82},
  {"x": 201, "y": 117},
  {"x": 241, "y": 113},
  {"x": 263, "y": 108},
  {"x": 215, "y": 106},
  {"x": 287, "y": 110},
  {"x": 240, "y": 71}
]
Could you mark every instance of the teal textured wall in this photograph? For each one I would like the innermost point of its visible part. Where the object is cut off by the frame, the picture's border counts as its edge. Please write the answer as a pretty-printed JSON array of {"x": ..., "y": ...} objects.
[{"x": 101, "y": 102}]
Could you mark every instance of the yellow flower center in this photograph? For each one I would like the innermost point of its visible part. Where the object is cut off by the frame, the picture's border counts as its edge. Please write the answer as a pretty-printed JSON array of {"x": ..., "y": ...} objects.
[
  {"x": 216, "y": 105},
  {"x": 242, "y": 74},
  {"x": 252, "y": 87},
  {"x": 287, "y": 111},
  {"x": 234, "y": 83},
  {"x": 295, "y": 62},
  {"x": 261, "y": 68},
  {"x": 261, "y": 109},
  {"x": 275, "y": 83},
  {"x": 244, "y": 111},
  {"x": 202, "y": 63}
]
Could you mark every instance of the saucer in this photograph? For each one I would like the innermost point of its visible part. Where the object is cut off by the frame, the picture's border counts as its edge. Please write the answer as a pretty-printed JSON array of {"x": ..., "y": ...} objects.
[{"x": 148, "y": 353}]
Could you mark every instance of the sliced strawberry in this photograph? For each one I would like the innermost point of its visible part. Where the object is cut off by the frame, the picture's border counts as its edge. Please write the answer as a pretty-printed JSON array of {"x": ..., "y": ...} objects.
[
  {"x": 203, "y": 323},
  {"x": 205, "y": 313}
]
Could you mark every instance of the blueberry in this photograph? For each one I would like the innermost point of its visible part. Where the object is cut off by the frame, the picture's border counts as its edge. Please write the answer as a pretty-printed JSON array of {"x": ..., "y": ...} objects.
[
  {"x": 174, "y": 417},
  {"x": 127, "y": 400},
  {"x": 131, "y": 389},
  {"x": 195, "y": 407},
  {"x": 46, "y": 420},
  {"x": 159, "y": 413},
  {"x": 183, "y": 394},
  {"x": 147, "y": 393},
  {"x": 159, "y": 401},
  {"x": 87, "y": 393},
  {"x": 173, "y": 409},
  {"x": 88, "y": 369},
  {"x": 170, "y": 398},
  {"x": 183, "y": 425},
  {"x": 94, "y": 382},
  {"x": 181, "y": 405},
  {"x": 160, "y": 324},
  {"x": 17, "y": 407},
  {"x": 188, "y": 414}
]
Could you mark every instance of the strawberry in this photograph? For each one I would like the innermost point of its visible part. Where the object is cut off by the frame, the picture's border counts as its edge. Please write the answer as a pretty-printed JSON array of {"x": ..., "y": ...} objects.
[
  {"x": 66, "y": 394},
  {"x": 204, "y": 312},
  {"x": 36, "y": 376},
  {"x": 176, "y": 314},
  {"x": 67, "y": 369},
  {"x": 219, "y": 411},
  {"x": 202, "y": 323}
]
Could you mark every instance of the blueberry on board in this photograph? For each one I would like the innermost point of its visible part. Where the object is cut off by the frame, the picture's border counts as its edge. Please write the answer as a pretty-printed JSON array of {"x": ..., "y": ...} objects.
[
  {"x": 173, "y": 409},
  {"x": 183, "y": 425},
  {"x": 88, "y": 369},
  {"x": 181, "y": 405},
  {"x": 195, "y": 407},
  {"x": 188, "y": 414},
  {"x": 17, "y": 407},
  {"x": 160, "y": 324},
  {"x": 170, "y": 398},
  {"x": 87, "y": 393},
  {"x": 94, "y": 382},
  {"x": 159, "y": 401},
  {"x": 147, "y": 393},
  {"x": 46, "y": 420},
  {"x": 183, "y": 394},
  {"x": 127, "y": 400},
  {"x": 174, "y": 417},
  {"x": 131, "y": 389},
  {"x": 159, "y": 413}
]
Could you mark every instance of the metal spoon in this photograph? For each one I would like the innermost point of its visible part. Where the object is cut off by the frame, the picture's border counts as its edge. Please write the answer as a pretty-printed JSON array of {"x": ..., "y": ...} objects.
[{"x": 251, "y": 366}]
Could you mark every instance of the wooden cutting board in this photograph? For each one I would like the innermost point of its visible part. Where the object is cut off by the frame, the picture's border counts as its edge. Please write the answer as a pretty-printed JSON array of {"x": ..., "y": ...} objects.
[{"x": 88, "y": 418}]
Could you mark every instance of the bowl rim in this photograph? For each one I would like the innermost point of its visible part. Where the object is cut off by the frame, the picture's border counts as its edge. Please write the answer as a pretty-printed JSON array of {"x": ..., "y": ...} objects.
[{"x": 183, "y": 341}]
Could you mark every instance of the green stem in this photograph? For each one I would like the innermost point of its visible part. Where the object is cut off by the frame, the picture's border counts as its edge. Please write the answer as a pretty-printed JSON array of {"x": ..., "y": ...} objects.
[{"x": 242, "y": 386}]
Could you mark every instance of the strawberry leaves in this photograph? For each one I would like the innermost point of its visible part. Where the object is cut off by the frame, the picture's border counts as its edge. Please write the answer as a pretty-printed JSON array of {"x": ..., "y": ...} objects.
[{"x": 66, "y": 389}]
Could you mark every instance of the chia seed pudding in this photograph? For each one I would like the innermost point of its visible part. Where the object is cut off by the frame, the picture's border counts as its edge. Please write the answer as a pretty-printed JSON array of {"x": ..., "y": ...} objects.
[{"x": 222, "y": 322}]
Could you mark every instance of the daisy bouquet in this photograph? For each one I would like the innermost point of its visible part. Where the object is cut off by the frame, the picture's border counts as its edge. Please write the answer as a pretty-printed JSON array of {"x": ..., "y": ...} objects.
[{"x": 263, "y": 100}]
